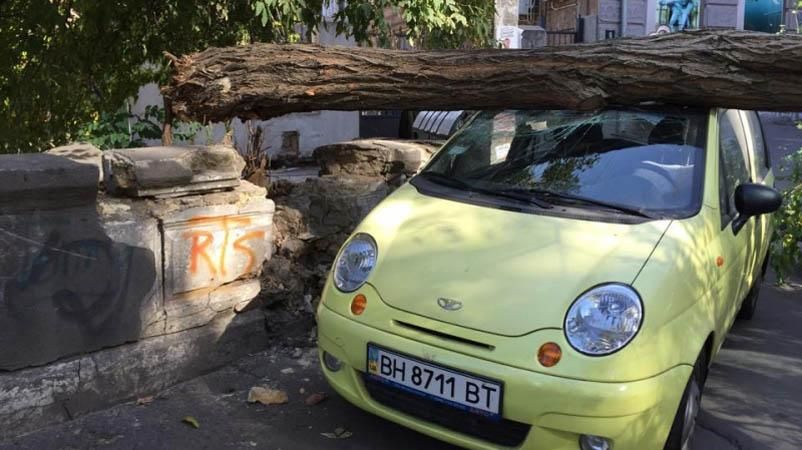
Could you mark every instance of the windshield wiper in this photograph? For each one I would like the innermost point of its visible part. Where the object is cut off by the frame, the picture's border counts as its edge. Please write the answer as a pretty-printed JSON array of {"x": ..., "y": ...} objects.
[
  {"x": 565, "y": 197},
  {"x": 505, "y": 193}
]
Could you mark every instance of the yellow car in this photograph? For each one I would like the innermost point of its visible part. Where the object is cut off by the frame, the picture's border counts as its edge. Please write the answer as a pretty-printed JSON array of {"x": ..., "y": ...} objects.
[{"x": 555, "y": 279}]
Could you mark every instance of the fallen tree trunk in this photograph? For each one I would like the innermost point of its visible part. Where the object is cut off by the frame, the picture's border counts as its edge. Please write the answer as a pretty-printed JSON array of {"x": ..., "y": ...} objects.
[{"x": 724, "y": 68}]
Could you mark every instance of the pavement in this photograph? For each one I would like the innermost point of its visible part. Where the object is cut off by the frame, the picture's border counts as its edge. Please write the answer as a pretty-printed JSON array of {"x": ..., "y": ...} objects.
[{"x": 752, "y": 400}]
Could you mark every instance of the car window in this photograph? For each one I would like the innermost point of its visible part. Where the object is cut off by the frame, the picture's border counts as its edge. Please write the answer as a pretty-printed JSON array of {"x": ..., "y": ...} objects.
[
  {"x": 759, "y": 150},
  {"x": 646, "y": 159},
  {"x": 733, "y": 166}
]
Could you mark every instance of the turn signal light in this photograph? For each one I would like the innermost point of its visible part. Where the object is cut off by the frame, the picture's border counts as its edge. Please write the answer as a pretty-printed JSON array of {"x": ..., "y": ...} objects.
[
  {"x": 549, "y": 354},
  {"x": 358, "y": 304}
]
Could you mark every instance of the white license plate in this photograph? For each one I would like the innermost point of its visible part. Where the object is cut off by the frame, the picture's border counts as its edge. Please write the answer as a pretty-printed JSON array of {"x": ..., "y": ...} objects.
[{"x": 457, "y": 389}]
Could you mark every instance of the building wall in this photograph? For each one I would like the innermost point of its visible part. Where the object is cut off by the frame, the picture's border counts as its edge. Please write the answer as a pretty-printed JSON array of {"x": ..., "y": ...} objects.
[
  {"x": 313, "y": 129},
  {"x": 505, "y": 23},
  {"x": 791, "y": 19},
  {"x": 722, "y": 14},
  {"x": 610, "y": 18},
  {"x": 642, "y": 16},
  {"x": 561, "y": 15}
]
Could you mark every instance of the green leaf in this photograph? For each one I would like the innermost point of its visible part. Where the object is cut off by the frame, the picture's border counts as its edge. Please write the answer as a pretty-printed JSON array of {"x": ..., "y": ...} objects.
[{"x": 191, "y": 421}]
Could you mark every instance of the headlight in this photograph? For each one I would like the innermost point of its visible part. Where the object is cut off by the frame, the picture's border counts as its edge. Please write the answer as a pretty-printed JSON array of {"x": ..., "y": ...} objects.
[
  {"x": 604, "y": 319},
  {"x": 355, "y": 263}
]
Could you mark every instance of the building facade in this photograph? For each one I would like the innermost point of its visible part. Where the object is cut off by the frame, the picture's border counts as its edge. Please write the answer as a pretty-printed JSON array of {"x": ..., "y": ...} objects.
[{"x": 567, "y": 21}]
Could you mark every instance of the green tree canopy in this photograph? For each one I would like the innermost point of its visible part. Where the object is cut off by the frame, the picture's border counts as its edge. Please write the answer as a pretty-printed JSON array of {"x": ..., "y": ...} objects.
[{"x": 64, "y": 62}]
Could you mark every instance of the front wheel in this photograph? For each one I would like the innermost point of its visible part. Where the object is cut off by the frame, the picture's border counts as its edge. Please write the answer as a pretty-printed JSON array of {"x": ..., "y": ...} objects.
[{"x": 681, "y": 434}]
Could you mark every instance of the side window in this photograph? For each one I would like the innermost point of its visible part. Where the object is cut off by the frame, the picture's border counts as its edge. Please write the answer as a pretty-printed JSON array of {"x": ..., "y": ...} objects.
[
  {"x": 732, "y": 163},
  {"x": 759, "y": 150}
]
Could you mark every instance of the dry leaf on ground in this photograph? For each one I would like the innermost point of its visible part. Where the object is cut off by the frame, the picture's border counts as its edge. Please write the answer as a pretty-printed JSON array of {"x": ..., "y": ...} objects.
[
  {"x": 315, "y": 398},
  {"x": 339, "y": 433},
  {"x": 267, "y": 396}
]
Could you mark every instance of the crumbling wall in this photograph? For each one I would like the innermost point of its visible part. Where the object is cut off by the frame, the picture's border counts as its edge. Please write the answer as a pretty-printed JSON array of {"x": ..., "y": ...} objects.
[
  {"x": 169, "y": 249},
  {"x": 315, "y": 216}
]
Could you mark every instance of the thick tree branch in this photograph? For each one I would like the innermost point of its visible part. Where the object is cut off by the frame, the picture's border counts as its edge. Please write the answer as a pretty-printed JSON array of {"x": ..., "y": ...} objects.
[{"x": 723, "y": 68}]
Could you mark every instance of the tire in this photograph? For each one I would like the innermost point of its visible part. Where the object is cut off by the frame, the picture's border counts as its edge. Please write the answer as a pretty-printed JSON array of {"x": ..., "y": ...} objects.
[
  {"x": 684, "y": 425},
  {"x": 749, "y": 305}
]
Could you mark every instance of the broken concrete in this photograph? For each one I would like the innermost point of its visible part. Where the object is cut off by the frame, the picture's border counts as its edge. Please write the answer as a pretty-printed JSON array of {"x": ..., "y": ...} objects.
[
  {"x": 374, "y": 157},
  {"x": 171, "y": 171},
  {"x": 82, "y": 153},
  {"x": 313, "y": 218},
  {"x": 40, "y": 180}
]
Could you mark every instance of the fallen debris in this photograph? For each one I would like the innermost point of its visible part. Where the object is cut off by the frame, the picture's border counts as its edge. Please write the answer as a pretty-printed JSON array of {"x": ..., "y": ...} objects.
[
  {"x": 267, "y": 396},
  {"x": 191, "y": 421},
  {"x": 339, "y": 433},
  {"x": 315, "y": 398},
  {"x": 143, "y": 401}
]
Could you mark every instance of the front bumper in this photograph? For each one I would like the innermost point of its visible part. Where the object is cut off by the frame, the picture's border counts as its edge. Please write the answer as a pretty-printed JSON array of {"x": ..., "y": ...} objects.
[{"x": 634, "y": 415}]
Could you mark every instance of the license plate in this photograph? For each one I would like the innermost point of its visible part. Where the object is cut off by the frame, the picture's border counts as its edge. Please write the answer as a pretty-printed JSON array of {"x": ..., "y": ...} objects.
[{"x": 458, "y": 389}]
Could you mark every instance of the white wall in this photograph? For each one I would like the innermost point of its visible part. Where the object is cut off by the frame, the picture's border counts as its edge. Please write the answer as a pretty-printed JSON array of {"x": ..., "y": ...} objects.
[{"x": 315, "y": 128}]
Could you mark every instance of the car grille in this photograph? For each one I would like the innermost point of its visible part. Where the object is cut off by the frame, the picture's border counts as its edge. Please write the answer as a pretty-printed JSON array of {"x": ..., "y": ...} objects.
[{"x": 503, "y": 432}]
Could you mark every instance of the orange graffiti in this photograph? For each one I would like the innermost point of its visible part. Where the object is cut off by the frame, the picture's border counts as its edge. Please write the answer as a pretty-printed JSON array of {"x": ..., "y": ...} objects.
[
  {"x": 199, "y": 250},
  {"x": 238, "y": 246},
  {"x": 202, "y": 240}
]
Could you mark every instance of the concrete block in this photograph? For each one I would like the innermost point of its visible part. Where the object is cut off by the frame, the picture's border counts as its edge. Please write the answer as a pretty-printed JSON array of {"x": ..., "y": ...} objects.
[
  {"x": 72, "y": 282},
  {"x": 37, "y": 397},
  {"x": 171, "y": 171},
  {"x": 199, "y": 307},
  {"x": 374, "y": 157},
  {"x": 33, "y": 181},
  {"x": 206, "y": 247},
  {"x": 82, "y": 153}
]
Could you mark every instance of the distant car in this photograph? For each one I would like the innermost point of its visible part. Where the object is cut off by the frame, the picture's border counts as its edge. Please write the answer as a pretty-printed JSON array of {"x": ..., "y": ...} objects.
[{"x": 555, "y": 279}]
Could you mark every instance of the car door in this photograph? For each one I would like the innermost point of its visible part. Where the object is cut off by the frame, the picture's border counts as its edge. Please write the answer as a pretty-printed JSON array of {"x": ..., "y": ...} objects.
[
  {"x": 734, "y": 247},
  {"x": 761, "y": 168}
]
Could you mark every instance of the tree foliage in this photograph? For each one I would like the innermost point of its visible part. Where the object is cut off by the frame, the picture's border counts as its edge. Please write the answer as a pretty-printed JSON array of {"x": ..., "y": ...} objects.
[
  {"x": 66, "y": 63},
  {"x": 786, "y": 245}
]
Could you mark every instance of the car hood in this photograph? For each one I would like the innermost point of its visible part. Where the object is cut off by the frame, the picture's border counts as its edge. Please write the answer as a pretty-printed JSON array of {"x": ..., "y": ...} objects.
[{"x": 513, "y": 272}]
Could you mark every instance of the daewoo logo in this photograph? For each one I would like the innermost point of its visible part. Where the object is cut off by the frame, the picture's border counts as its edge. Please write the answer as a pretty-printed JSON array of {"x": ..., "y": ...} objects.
[{"x": 449, "y": 304}]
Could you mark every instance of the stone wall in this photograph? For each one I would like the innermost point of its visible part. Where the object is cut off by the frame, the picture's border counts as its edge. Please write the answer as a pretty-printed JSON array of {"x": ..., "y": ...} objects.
[
  {"x": 314, "y": 216},
  {"x": 169, "y": 248},
  {"x": 313, "y": 219}
]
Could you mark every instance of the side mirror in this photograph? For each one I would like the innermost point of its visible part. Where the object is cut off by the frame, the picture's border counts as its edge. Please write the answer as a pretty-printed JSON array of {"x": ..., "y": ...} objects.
[{"x": 753, "y": 200}]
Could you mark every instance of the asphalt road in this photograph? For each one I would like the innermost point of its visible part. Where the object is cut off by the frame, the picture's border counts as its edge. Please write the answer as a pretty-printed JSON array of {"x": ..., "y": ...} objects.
[{"x": 753, "y": 397}]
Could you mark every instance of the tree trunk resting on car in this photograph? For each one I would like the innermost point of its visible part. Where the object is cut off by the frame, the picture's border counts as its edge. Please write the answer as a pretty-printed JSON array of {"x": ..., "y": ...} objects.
[{"x": 706, "y": 68}]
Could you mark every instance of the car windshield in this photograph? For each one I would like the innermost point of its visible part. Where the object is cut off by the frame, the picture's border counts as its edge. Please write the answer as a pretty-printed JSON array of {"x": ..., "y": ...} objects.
[{"x": 644, "y": 162}]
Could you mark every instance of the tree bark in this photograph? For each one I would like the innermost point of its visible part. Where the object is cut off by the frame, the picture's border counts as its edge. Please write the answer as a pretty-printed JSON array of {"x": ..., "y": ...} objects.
[
  {"x": 167, "y": 126},
  {"x": 702, "y": 68}
]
